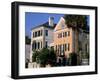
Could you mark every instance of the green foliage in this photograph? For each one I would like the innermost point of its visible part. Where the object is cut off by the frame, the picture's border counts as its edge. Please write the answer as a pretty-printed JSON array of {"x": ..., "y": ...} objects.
[
  {"x": 27, "y": 40},
  {"x": 45, "y": 56},
  {"x": 76, "y": 21},
  {"x": 35, "y": 54},
  {"x": 85, "y": 56},
  {"x": 52, "y": 56},
  {"x": 73, "y": 59}
]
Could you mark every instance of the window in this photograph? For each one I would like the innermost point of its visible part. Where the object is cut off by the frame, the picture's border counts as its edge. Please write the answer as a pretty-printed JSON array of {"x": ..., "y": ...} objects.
[
  {"x": 68, "y": 46},
  {"x": 59, "y": 49},
  {"x": 60, "y": 35},
  {"x": 38, "y": 45},
  {"x": 38, "y": 33},
  {"x": 46, "y": 44},
  {"x": 68, "y": 33},
  {"x": 33, "y": 45},
  {"x": 65, "y": 34},
  {"x": 46, "y": 32},
  {"x": 41, "y": 32},
  {"x": 41, "y": 44},
  {"x": 65, "y": 47},
  {"x": 60, "y": 46},
  {"x": 33, "y": 34}
]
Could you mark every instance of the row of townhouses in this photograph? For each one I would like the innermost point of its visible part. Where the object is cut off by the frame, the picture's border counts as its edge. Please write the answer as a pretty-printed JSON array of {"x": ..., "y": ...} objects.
[{"x": 64, "y": 39}]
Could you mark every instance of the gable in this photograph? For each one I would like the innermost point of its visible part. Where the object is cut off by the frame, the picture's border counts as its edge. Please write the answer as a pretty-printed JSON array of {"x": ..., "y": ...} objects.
[{"x": 60, "y": 25}]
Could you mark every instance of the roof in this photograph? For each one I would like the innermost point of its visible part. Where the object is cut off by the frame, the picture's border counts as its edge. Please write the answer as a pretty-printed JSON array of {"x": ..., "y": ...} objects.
[{"x": 46, "y": 24}]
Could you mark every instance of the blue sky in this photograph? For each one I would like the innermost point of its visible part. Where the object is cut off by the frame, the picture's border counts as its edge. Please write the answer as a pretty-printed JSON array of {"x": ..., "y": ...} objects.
[{"x": 35, "y": 19}]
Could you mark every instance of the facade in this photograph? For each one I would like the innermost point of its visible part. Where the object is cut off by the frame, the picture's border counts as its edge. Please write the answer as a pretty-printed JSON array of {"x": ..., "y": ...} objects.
[
  {"x": 27, "y": 52},
  {"x": 84, "y": 46},
  {"x": 65, "y": 39},
  {"x": 69, "y": 39},
  {"x": 42, "y": 36}
]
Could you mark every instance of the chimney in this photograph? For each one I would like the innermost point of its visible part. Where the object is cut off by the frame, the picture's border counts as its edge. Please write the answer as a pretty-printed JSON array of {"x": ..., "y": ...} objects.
[{"x": 51, "y": 21}]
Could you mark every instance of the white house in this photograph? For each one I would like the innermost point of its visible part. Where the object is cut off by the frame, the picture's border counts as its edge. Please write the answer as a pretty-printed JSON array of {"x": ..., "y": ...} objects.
[{"x": 42, "y": 36}]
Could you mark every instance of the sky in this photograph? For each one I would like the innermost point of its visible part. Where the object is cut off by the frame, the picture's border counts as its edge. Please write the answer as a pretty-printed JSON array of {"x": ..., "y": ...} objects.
[{"x": 35, "y": 19}]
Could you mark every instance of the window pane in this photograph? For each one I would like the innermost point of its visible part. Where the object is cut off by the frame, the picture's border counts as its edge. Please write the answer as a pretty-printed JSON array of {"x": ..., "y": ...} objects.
[
  {"x": 41, "y": 33},
  {"x": 41, "y": 44},
  {"x": 38, "y": 33},
  {"x": 68, "y": 33},
  {"x": 33, "y": 34},
  {"x": 65, "y": 34},
  {"x": 35, "y": 45},
  {"x": 46, "y": 32},
  {"x": 46, "y": 44},
  {"x": 68, "y": 46},
  {"x": 65, "y": 47},
  {"x": 60, "y": 35},
  {"x": 38, "y": 45}
]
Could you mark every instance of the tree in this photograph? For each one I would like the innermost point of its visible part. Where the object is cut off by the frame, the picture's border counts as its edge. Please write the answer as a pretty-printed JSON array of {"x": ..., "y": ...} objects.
[
  {"x": 35, "y": 55},
  {"x": 27, "y": 40},
  {"x": 52, "y": 56},
  {"x": 77, "y": 21},
  {"x": 43, "y": 56},
  {"x": 73, "y": 59}
]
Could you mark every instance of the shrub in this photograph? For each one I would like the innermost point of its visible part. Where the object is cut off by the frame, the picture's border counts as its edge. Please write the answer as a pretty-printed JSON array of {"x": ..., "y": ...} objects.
[
  {"x": 34, "y": 56},
  {"x": 44, "y": 56}
]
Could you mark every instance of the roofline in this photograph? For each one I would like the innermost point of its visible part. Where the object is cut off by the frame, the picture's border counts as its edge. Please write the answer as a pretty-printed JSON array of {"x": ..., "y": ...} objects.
[{"x": 41, "y": 26}]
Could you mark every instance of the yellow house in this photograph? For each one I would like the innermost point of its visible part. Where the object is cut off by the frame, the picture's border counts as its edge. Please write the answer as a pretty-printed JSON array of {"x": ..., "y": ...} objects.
[{"x": 65, "y": 39}]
